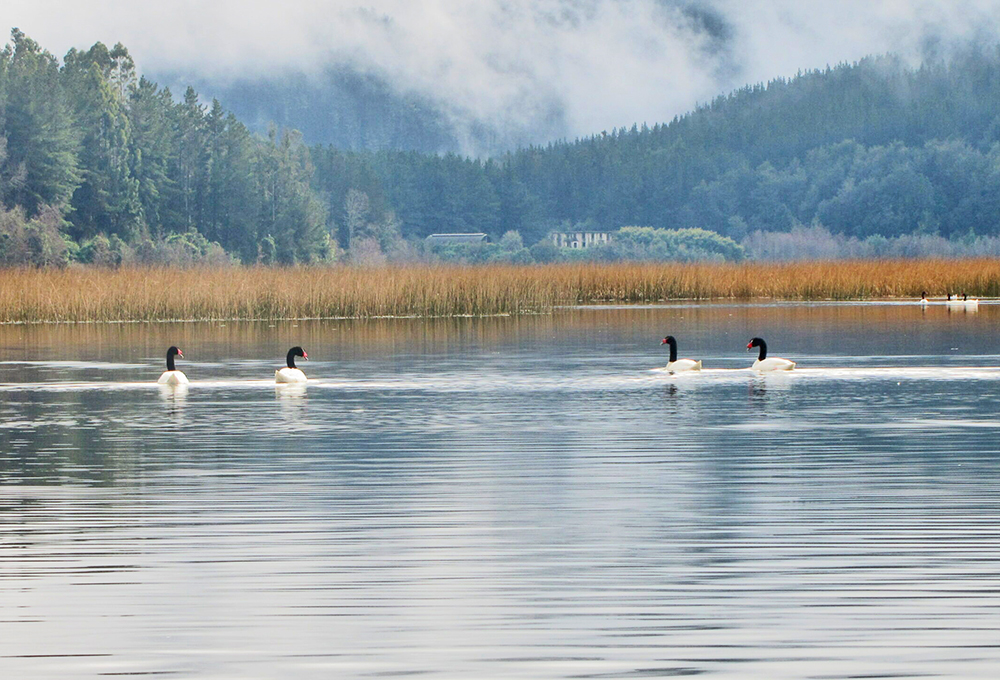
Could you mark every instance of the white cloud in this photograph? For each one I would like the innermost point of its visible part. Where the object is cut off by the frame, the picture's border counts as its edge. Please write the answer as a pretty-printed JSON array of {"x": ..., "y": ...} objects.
[{"x": 577, "y": 66}]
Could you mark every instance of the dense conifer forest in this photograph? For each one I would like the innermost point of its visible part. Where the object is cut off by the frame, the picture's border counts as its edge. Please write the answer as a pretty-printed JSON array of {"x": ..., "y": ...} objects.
[
  {"x": 100, "y": 165},
  {"x": 845, "y": 158}
]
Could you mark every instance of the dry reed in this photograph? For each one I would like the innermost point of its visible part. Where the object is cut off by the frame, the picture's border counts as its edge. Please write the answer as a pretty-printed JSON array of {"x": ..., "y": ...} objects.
[{"x": 154, "y": 294}]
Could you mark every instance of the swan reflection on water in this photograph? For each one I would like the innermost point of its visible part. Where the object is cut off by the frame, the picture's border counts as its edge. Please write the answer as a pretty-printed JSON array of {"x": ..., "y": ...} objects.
[
  {"x": 763, "y": 388},
  {"x": 173, "y": 394},
  {"x": 291, "y": 398},
  {"x": 175, "y": 397},
  {"x": 290, "y": 391}
]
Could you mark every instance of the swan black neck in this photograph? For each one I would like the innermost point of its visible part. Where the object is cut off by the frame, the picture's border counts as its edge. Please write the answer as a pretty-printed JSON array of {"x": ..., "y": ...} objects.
[
  {"x": 673, "y": 347},
  {"x": 759, "y": 342},
  {"x": 171, "y": 353},
  {"x": 292, "y": 353}
]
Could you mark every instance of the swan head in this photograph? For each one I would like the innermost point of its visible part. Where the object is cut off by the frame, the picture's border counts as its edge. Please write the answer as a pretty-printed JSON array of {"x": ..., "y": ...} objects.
[
  {"x": 171, "y": 353},
  {"x": 758, "y": 342},
  {"x": 295, "y": 352},
  {"x": 669, "y": 340}
]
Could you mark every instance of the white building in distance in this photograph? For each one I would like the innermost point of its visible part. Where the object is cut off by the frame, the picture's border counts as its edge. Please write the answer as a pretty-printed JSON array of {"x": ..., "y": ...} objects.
[
  {"x": 580, "y": 239},
  {"x": 457, "y": 239}
]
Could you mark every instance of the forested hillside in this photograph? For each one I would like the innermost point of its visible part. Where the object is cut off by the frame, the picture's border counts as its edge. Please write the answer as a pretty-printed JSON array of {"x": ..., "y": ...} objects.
[
  {"x": 873, "y": 148},
  {"x": 98, "y": 164}
]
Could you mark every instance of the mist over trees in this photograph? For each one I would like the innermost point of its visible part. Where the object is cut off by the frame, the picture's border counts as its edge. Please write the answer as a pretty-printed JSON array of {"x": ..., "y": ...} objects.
[
  {"x": 872, "y": 159},
  {"x": 339, "y": 106},
  {"x": 872, "y": 149}
]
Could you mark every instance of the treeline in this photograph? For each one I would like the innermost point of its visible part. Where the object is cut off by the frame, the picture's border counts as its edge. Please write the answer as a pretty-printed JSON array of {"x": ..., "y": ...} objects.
[
  {"x": 100, "y": 165},
  {"x": 860, "y": 150}
]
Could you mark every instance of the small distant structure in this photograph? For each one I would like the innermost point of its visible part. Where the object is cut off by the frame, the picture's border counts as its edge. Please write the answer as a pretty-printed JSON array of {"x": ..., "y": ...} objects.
[
  {"x": 580, "y": 239},
  {"x": 456, "y": 239}
]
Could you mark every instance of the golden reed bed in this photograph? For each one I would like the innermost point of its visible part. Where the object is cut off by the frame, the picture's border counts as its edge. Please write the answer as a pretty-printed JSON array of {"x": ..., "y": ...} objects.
[{"x": 153, "y": 294}]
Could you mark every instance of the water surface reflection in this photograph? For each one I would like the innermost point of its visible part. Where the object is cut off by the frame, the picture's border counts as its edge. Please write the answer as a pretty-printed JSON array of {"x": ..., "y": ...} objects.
[{"x": 514, "y": 497}]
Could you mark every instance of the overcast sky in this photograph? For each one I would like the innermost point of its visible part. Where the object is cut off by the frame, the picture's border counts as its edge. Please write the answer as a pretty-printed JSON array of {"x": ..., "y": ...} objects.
[{"x": 599, "y": 63}]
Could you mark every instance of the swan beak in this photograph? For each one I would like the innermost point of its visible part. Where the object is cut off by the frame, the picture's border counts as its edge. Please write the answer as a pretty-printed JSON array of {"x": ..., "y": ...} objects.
[
  {"x": 749, "y": 345},
  {"x": 664, "y": 341},
  {"x": 180, "y": 354},
  {"x": 305, "y": 356}
]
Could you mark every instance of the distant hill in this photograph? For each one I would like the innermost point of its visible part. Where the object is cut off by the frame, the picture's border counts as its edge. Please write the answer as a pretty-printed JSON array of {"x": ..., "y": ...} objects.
[{"x": 874, "y": 147}]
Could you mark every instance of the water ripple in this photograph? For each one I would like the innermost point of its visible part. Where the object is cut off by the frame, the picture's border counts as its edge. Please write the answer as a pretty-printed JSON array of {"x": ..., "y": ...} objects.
[{"x": 557, "y": 509}]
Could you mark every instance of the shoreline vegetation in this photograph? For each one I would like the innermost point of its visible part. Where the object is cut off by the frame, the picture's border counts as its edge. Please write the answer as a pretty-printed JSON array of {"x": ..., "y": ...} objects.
[{"x": 79, "y": 294}]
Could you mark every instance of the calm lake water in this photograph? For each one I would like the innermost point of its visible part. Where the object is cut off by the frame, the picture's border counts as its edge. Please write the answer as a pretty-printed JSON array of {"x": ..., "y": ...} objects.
[{"x": 506, "y": 498}]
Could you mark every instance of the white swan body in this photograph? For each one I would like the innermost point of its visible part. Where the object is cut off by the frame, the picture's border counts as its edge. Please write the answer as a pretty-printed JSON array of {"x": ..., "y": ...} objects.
[
  {"x": 773, "y": 364},
  {"x": 684, "y": 365},
  {"x": 289, "y": 375},
  {"x": 173, "y": 378},
  {"x": 676, "y": 365},
  {"x": 763, "y": 363},
  {"x": 971, "y": 305}
]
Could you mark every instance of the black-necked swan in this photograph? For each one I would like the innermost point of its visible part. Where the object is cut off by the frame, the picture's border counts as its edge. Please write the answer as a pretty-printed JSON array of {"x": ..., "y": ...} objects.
[
  {"x": 971, "y": 305},
  {"x": 172, "y": 376},
  {"x": 923, "y": 297},
  {"x": 291, "y": 374},
  {"x": 765, "y": 364},
  {"x": 676, "y": 364},
  {"x": 954, "y": 303}
]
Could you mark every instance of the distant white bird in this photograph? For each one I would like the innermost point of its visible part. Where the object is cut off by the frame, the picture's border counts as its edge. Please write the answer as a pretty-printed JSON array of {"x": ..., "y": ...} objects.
[
  {"x": 291, "y": 374},
  {"x": 765, "y": 364},
  {"x": 172, "y": 376},
  {"x": 923, "y": 298},
  {"x": 675, "y": 364},
  {"x": 970, "y": 305}
]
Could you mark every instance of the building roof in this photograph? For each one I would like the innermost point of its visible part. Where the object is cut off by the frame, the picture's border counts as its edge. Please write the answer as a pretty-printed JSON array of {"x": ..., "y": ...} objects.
[{"x": 458, "y": 238}]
